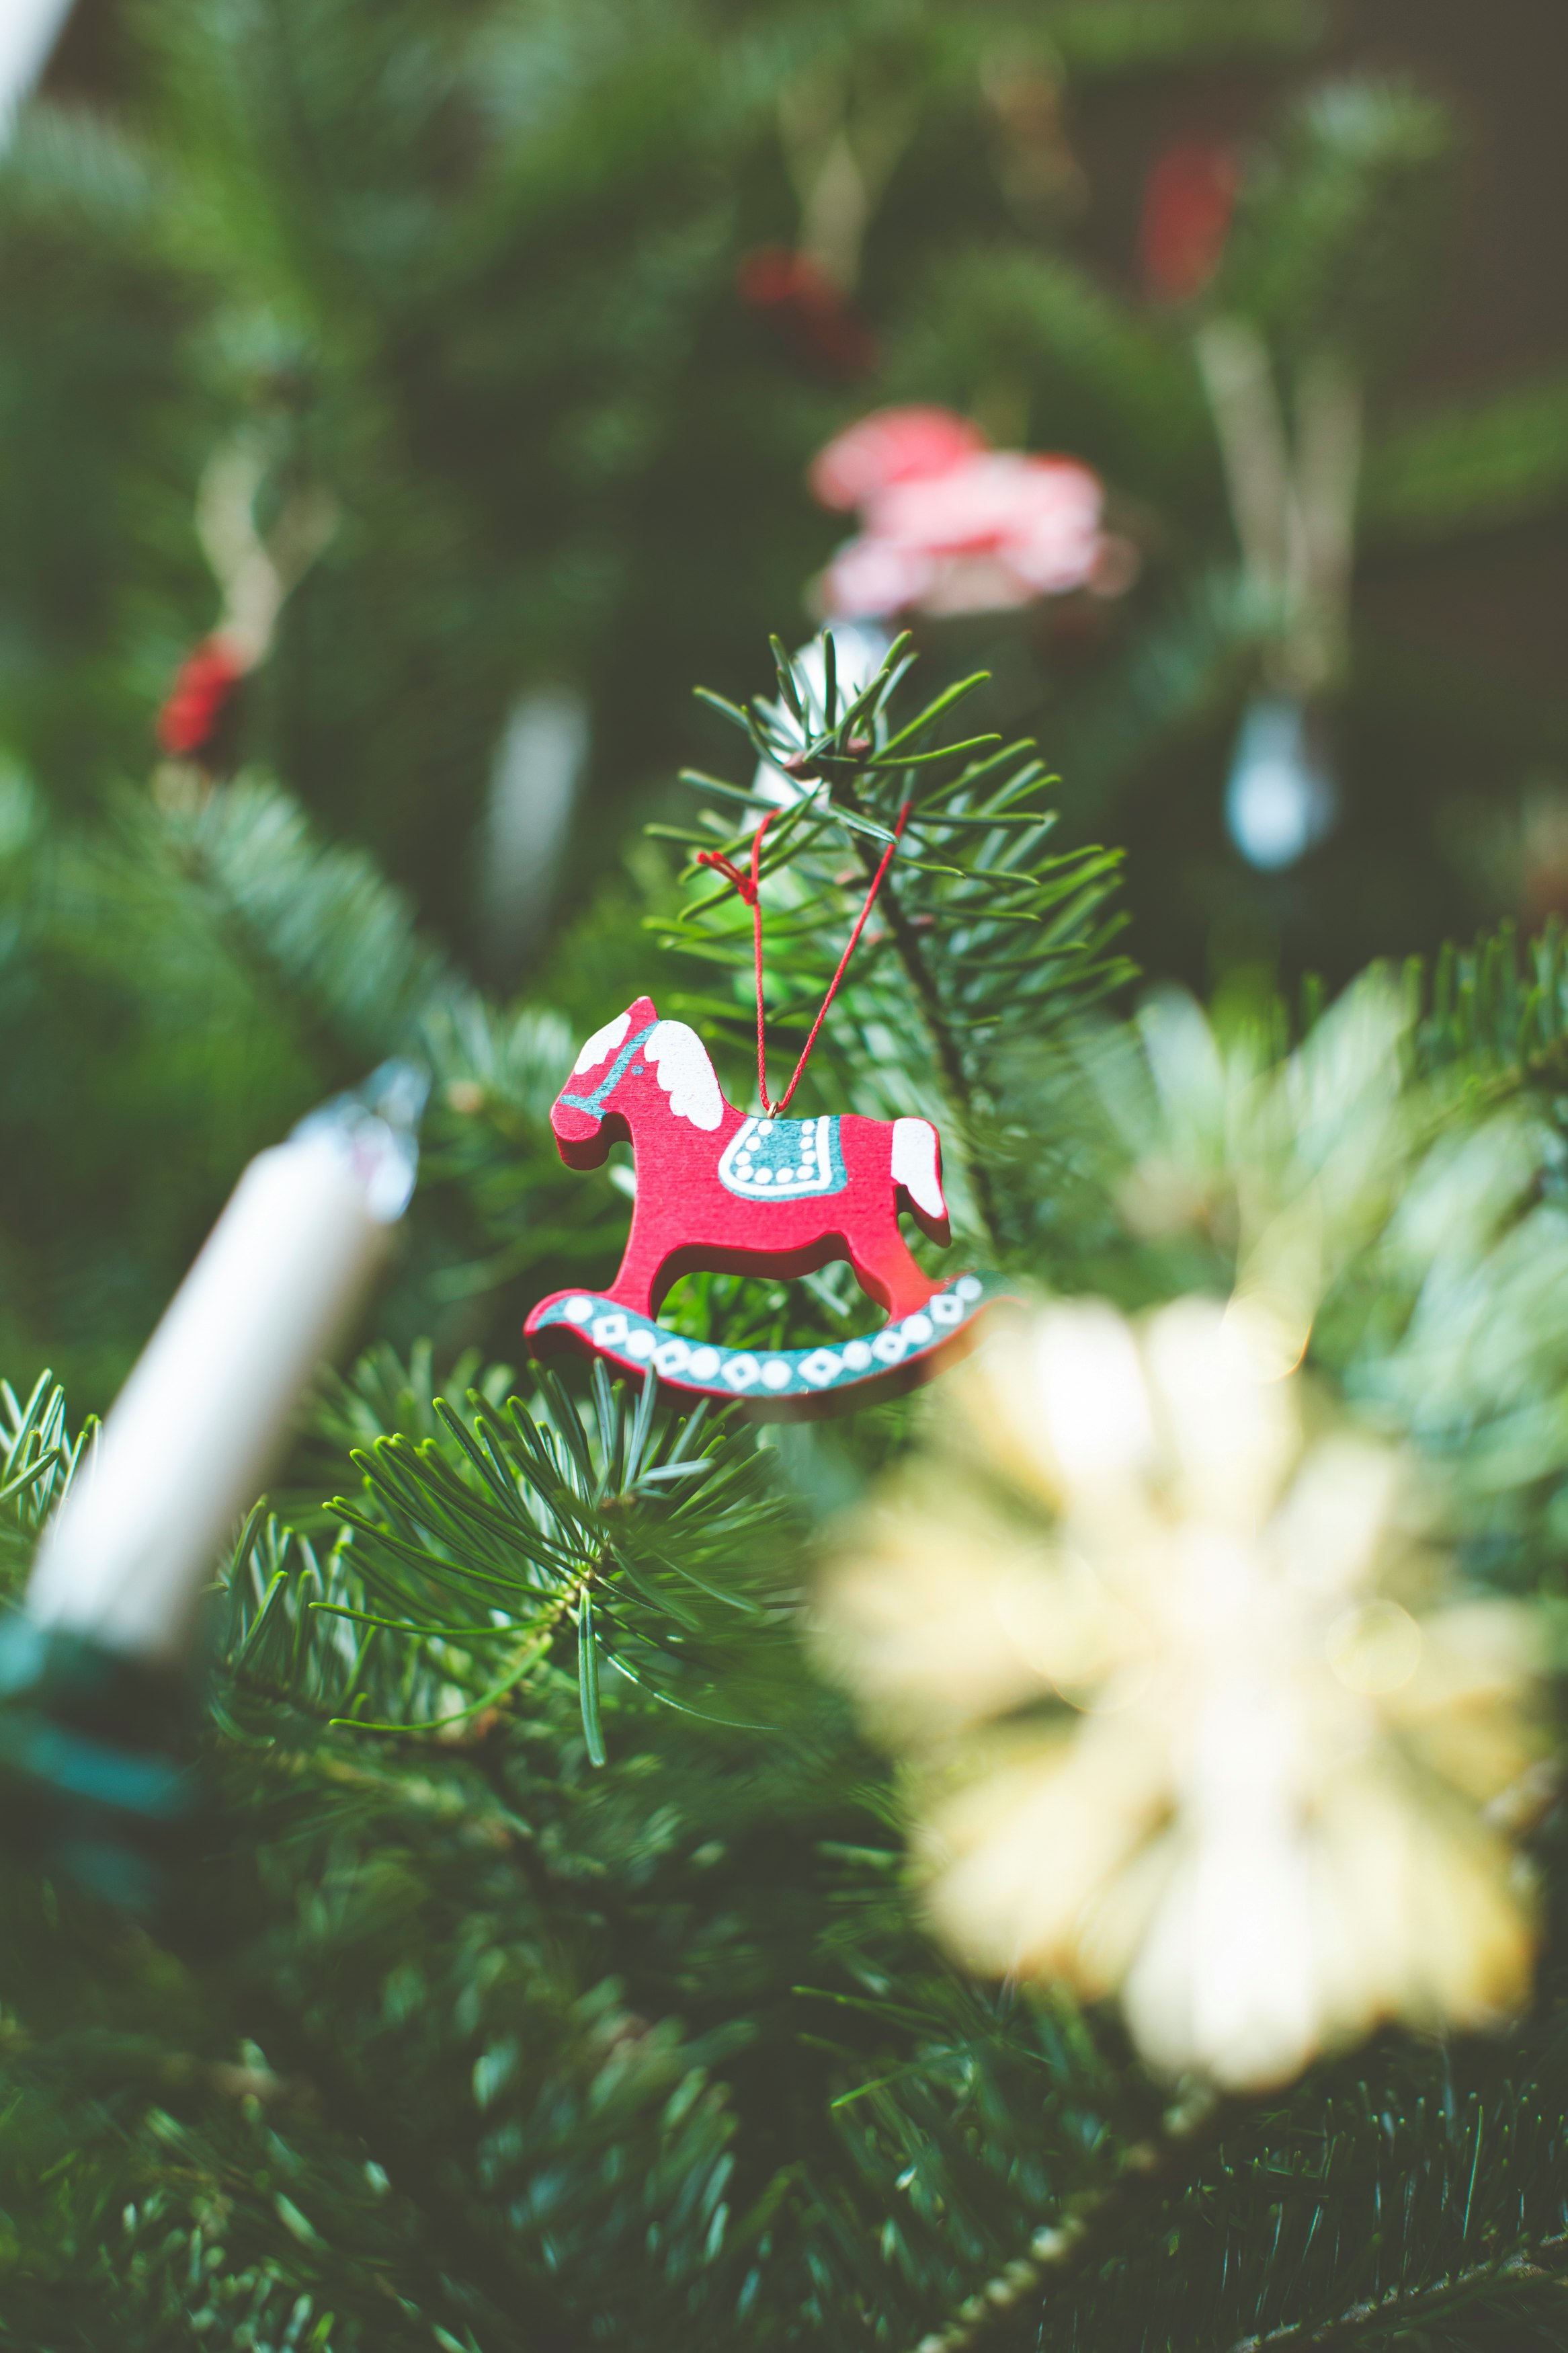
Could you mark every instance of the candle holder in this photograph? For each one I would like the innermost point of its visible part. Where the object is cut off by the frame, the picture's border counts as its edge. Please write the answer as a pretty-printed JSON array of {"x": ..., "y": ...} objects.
[{"x": 97, "y": 1776}]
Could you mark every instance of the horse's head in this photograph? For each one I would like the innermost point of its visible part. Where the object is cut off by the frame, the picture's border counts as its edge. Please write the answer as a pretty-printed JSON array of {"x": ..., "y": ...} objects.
[{"x": 635, "y": 1062}]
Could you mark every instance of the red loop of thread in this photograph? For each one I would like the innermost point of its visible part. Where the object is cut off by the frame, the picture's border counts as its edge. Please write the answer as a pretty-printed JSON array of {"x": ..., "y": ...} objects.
[{"x": 749, "y": 886}]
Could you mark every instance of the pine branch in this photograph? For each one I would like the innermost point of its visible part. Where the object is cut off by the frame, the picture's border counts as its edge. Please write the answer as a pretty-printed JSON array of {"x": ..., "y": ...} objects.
[
  {"x": 449, "y": 1582},
  {"x": 317, "y": 920},
  {"x": 985, "y": 936},
  {"x": 1354, "y": 2208},
  {"x": 1472, "y": 467},
  {"x": 1403, "y": 2309},
  {"x": 1133, "y": 36},
  {"x": 1328, "y": 246},
  {"x": 949, "y": 1053},
  {"x": 1478, "y": 1017},
  {"x": 39, "y": 1459},
  {"x": 1089, "y": 2233},
  {"x": 1104, "y": 379}
]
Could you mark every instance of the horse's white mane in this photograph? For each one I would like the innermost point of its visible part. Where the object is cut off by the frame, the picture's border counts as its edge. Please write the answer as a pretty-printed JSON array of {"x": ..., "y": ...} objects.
[
  {"x": 680, "y": 1062},
  {"x": 602, "y": 1044}
]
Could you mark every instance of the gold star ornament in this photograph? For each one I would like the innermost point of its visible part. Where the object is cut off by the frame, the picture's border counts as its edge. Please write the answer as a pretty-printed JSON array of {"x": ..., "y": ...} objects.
[{"x": 1191, "y": 1711}]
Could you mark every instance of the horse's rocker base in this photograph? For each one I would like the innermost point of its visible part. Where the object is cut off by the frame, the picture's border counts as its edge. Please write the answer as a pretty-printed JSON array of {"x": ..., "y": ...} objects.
[{"x": 775, "y": 1384}]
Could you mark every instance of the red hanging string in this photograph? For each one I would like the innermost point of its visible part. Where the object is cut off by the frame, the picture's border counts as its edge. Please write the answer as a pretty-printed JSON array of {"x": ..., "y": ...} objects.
[{"x": 749, "y": 886}]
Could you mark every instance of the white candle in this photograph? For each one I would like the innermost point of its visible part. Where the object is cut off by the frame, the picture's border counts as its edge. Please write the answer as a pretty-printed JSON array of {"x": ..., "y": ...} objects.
[
  {"x": 192, "y": 1433},
  {"x": 28, "y": 31}
]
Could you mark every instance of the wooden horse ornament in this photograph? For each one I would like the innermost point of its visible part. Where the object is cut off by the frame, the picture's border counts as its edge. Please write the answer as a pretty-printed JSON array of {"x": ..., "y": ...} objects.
[{"x": 720, "y": 1190}]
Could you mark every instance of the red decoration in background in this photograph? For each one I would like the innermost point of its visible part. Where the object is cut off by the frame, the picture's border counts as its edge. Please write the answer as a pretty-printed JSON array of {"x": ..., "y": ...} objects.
[
  {"x": 891, "y": 444},
  {"x": 1188, "y": 200},
  {"x": 951, "y": 525},
  {"x": 200, "y": 699},
  {"x": 1039, "y": 516},
  {"x": 814, "y": 313}
]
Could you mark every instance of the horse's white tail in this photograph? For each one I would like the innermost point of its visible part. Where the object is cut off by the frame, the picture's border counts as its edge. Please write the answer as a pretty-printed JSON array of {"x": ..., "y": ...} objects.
[{"x": 917, "y": 1165}]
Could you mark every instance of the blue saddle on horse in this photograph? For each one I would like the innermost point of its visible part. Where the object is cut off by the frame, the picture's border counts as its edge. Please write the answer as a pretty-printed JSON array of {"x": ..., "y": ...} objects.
[{"x": 783, "y": 1159}]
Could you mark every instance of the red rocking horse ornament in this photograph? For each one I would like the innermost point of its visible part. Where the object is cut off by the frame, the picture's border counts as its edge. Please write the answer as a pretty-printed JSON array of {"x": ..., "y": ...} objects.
[{"x": 720, "y": 1190}]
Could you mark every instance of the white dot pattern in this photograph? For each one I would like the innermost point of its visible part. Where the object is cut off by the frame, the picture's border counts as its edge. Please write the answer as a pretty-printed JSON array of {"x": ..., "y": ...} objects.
[{"x": 637, "y": 1343}]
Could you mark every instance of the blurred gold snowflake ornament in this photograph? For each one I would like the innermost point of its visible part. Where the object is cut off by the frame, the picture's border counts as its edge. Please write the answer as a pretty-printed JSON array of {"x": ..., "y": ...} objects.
[{"x": 1193, "y": 1713}]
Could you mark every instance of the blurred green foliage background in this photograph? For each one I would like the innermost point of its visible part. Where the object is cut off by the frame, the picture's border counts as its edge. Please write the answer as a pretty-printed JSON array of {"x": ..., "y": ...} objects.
[{"x": 473, "y": 280}]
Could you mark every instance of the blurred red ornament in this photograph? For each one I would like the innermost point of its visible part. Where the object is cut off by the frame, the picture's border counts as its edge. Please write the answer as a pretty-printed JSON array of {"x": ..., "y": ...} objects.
[
  {"x": 891, "y": 445},
  {"x": 199, "y": 700},
  {"x": 1041, "y": 513},
  {"x": 1188, "y": 200},
  {"x": 870, "y": 579},
  {"x": 995, "y": 530},
  {"x": 815, "y": 312}
]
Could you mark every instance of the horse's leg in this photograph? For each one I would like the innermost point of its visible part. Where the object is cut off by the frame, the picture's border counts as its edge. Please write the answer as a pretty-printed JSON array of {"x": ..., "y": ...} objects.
[
  {"x": 637, "y": 1281},
  {"x": 887, "y": 1273}
]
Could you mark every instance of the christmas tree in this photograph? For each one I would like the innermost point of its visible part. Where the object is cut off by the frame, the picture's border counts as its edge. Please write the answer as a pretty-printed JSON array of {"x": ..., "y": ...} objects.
[
  {"x": 433, "y": 527},
  {"x": 1067, "y": 1856}
]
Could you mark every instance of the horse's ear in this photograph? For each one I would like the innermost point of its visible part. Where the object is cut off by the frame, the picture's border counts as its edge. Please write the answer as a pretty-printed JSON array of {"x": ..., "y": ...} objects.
[{"x": 644, "y": 1011}]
